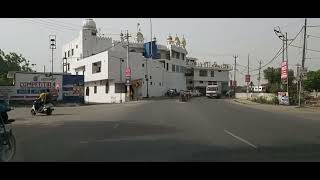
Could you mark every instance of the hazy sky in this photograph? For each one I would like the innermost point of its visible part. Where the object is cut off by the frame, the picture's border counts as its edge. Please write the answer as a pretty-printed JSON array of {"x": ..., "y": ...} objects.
[{"x": 208, "y": 39}]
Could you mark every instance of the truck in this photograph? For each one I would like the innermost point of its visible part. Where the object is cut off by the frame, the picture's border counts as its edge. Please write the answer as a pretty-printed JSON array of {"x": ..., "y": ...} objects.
[{"x": 213, "y": 91}]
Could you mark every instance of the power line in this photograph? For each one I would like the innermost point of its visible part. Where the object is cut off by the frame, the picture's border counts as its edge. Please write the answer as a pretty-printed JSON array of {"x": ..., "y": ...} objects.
[
  {"x": 52, "y": 24},
  {"x": 313, "y": 36},
  {"x": 55, "y": 24},
  {"x": 43, "y": 25},
  {"x": 278, "y": 53},
  {"x": 69, "y": 24},
  {"x": 306, "y": 48}
]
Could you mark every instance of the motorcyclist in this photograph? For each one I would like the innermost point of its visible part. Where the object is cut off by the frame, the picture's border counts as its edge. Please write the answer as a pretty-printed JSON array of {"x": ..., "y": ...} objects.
[{"x": 44, "y": 98}]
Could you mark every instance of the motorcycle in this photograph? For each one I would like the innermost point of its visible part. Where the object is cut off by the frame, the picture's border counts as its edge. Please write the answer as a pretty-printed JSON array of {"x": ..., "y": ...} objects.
[
  {"x": 43, "y": 109},
  {"x": 7, "y": 139},
  {"x": 171, "y": 93}
]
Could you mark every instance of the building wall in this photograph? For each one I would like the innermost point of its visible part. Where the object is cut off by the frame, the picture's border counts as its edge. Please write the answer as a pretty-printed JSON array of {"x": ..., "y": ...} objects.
[
  {"x": 101, "y": 96},
  {"x": 85, "y": 45},
  {"x": 218, "y": 76}
]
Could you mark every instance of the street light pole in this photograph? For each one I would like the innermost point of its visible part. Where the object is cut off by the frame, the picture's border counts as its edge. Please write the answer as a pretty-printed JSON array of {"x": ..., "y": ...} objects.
[
  {"x": 52, "y": 47},
  {"x": 121, "y": 60}
]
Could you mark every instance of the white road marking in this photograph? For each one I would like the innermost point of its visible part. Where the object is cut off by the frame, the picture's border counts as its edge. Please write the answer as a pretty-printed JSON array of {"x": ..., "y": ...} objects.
[
  {"x": 241, "y": 139},
  {"x": 116, "y": 126}
]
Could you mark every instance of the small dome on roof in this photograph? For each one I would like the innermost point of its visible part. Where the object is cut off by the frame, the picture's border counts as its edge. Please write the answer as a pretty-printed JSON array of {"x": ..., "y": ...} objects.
[
  {"x": 177, "y": 40},
  {"x": 139, "y": 37},
  {"x": 89, "y": 24},
  {"x": 183, "y": 42}
]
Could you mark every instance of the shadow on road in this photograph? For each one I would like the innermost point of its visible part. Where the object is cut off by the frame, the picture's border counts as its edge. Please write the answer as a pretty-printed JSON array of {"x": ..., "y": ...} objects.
[{"x": 131, "y": 141}]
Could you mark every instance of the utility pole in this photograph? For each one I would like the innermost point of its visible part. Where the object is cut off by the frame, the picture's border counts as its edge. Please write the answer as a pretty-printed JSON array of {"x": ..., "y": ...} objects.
[
  {"x": 303, "y": 57},
  {"x": 52, "y": 47},
  {"x": 259, "y": 78},
  {"x": 299, "y": 82},
  {"x": 121, "y": 60},
  {"x": 304, "y": 43},
  {"x": 249, "y": 76},
  {"x": 234, "y": 76},
  {"x": 287, "y": 63},
  {"x": 127, "y": 36},
  {"x": 150, "y": 59}
]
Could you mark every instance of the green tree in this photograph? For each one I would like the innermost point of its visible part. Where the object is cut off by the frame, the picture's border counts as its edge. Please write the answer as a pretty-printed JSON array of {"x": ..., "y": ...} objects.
[
  {"x": 313, "y": 81},
  {"x": 273, "y": 75},
  {"x": 11, "y": 62}
]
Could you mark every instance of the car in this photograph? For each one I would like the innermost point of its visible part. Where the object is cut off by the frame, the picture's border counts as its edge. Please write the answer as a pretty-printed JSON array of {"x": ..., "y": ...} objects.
[{"x": 196, "y": 93}]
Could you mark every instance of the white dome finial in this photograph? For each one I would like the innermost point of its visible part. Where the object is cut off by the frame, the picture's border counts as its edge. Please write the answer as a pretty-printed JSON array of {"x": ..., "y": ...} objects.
[
  {"x": 183, "y": 42},
  {"x": 89, "y": 24}
]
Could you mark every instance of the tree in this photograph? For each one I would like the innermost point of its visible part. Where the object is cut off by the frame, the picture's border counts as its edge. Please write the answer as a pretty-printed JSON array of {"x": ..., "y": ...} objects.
[
  {"x": 273, "y": 75},
  {"x": 313, "y": 81},
  {"x": 11, "y": 62}
]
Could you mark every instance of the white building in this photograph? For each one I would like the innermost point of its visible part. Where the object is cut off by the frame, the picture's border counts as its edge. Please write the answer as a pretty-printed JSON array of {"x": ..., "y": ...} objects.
[
  {"x": 201, "y": 74},
  {"x": 101, "y": 60}
]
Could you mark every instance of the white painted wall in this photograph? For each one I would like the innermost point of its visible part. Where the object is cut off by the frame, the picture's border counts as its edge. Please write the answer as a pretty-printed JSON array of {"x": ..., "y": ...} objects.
[
  {"x": 268, "y": 96},
  {"x": 218, "y": 76},
  {"x": 101, "y": 96}
]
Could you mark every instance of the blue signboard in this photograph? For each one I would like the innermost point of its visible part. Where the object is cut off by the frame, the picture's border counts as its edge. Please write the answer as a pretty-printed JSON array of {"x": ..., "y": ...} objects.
[
  {"x": 150, "y": 50},
  {"x": 73, "y": 88}
]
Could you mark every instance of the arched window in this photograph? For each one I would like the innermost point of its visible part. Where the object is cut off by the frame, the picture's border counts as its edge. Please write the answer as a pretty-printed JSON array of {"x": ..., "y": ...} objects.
[{"x": 87, "y": 91}]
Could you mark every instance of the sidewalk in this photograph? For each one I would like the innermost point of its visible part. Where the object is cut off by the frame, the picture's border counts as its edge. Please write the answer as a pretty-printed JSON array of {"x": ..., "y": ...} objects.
[{"x": 277, "y": 108}]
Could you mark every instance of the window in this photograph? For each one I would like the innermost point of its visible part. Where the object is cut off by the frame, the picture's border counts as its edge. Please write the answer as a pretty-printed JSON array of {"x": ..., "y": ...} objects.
[
  {"x": 95, "y": 89},
  {"x": 173, "y": 68},
  {"x": 212, "y": 73},
  {"x": 96, "y": 67},
  {"x": 120, "y": 88},
  {"x": 77, "y": 46},
  {"x": 159, "y": 83},
  {"x": 68, "y": 65},
  {"x": 150, "y": 82},
  {"x": 182, "y": 56},
  {"x": 201, "y": 82},
  {"x": 168, "y": 55},
  {"x": 219, "y": 70},
  {"x": 65, "y": 54},
  {"x": 177, "y": 68},
  {"x": 150, "y": 77},
  {"x": 142, "y": 65},
  {"x": 69, "y": 53},
  {"x": 87, "y": 91},
  {"x": 178, "y": 55},
  {"x": 72, "y": 52},
  {"x": 107, "y": 86},
  {"x": 190, "y": 82},
  {"x": 203, "y": 72},
  {"x": 167, "y": 66}
]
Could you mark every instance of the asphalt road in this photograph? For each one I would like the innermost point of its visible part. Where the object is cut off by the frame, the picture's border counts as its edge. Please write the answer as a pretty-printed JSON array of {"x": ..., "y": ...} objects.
[{"x": 168, "y": 130}]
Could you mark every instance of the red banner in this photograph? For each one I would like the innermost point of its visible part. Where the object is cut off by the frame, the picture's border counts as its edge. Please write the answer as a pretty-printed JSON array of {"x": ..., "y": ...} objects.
[
  {"x": 247, "y": 78},
  {"x": 128, "y": 72},
  {"x": 284, "y": 70}
]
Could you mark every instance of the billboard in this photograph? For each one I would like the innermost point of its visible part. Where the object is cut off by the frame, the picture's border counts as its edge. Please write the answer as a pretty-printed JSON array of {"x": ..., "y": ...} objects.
[
  {"x": 283, "y": 98},
  {"x": 73, "y": 88},
  {"x": 28, "y": 85}
]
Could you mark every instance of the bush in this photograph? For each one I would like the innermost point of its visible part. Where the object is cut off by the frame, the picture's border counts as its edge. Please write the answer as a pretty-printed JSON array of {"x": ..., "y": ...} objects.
[{"x": 263, "y": 100}]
